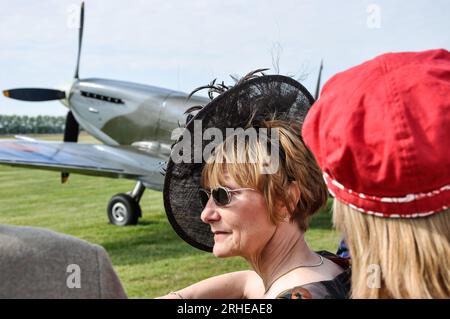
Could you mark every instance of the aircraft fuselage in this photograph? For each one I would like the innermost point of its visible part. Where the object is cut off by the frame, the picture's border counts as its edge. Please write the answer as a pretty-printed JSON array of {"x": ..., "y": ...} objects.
[{"x": 125, "y": 113}]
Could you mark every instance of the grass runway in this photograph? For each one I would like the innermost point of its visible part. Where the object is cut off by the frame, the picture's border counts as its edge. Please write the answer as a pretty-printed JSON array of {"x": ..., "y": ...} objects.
[{"x": 150, "y": 258}]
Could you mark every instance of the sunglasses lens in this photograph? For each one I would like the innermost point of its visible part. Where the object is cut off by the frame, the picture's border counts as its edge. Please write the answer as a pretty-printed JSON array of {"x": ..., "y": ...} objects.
[
  {"x": 204, "y": 197},
  {"x": 220, "y": 196}
]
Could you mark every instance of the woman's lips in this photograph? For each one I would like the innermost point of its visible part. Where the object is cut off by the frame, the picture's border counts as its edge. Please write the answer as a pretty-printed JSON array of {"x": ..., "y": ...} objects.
[{"x": 219, "y": 234}]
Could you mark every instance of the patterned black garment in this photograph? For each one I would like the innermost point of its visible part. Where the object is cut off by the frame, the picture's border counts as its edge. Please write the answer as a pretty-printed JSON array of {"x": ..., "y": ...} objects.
[{"x": 337, "y": 288}]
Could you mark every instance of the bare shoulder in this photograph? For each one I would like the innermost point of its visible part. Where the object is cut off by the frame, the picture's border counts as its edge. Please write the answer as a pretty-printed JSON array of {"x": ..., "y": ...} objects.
[
  {"x": 328, "y": 271},
  {"x": 306, "y": 283},
  {"x": 331, "y": 269},
  {"x": 254, "y": 287}
]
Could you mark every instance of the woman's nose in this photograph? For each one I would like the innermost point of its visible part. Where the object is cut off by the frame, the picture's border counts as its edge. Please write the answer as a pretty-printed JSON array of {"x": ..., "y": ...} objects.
[{"x": 209, "y": 213}]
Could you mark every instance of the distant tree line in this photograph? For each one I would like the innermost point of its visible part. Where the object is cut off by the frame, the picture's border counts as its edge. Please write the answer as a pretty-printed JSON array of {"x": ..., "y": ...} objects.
[{"x": 41, "y": 124}]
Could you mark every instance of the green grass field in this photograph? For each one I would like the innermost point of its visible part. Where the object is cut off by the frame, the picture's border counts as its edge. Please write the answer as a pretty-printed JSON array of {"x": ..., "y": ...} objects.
[{"x": 149, "y": 258}]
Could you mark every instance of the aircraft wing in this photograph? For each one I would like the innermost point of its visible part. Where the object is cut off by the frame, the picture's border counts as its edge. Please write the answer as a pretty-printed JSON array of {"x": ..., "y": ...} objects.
[{"x": 87, "y": 159}]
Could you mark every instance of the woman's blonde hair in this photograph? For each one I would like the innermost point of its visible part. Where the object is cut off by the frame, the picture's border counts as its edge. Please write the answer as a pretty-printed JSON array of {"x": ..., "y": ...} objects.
[
  {"x": 245, "y": 164},
  {"x": 410, "y": 256}
]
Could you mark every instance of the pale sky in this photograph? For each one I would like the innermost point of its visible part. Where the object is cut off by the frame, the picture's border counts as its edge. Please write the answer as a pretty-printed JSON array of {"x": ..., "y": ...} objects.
[{"x": 184, "y": 44}]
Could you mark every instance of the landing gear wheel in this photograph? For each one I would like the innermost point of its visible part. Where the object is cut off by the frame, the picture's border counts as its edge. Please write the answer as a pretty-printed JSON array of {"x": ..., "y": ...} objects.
[{"x": 123, "y": 210}]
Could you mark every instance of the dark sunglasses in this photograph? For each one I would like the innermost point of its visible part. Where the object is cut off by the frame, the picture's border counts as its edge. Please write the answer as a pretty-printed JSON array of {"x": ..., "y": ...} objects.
[{"x": 221, "y": 195}]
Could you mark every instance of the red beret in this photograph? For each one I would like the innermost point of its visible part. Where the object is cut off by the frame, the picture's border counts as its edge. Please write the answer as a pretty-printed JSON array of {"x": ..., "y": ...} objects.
[{"x": 381, "y": 133}]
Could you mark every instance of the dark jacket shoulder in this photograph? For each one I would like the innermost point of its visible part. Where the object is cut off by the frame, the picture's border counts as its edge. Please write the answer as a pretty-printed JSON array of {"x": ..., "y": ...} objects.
[{"x": 39, "y": 263}]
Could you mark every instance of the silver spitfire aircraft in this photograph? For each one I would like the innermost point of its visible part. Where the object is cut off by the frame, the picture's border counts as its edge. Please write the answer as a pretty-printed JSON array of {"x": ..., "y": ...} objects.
[{"x": 134, "y": 121}]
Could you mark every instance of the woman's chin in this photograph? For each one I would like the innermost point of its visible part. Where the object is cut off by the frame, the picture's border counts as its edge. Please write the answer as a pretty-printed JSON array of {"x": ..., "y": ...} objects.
[{"x": 221, "y": 252}]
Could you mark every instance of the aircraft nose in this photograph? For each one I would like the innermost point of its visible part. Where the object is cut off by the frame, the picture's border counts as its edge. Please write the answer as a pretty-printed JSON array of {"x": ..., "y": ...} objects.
[{"x": 66, "y": 87}]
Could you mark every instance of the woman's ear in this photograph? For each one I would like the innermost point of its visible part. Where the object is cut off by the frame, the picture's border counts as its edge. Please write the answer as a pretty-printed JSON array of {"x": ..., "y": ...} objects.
[
  {"x": 293, "y": 196},
  {"x": 294, "y": 192}
]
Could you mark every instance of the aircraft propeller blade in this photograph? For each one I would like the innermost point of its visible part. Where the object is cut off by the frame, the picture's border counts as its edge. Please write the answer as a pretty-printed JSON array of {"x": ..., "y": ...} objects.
[
  {"x": 316, "y": 96},
  {"x": 72, "y": 128},
  {"x": 80, "y": 39},
  {"x": 71, "y": 132},
  {"x": 34, "y": 94}
]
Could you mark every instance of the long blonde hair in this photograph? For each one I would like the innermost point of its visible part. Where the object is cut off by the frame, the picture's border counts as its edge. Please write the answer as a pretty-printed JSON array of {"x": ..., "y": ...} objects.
[{"x": 412, "y": 255}]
